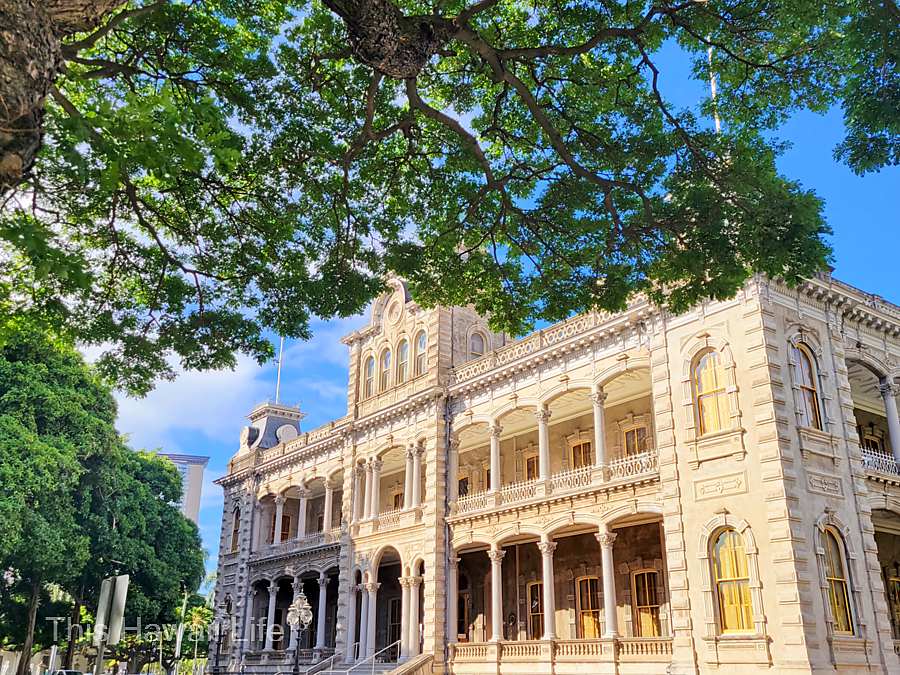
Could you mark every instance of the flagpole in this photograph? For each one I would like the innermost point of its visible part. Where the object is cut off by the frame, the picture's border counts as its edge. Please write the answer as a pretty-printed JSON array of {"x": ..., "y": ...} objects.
[{"x": 278, "y": 376}]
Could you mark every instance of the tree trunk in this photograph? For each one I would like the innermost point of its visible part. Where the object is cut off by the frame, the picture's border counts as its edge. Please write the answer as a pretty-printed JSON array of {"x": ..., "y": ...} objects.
[
  {"x": 25, "y": 656},
  {"x": 70, "y": 638}
]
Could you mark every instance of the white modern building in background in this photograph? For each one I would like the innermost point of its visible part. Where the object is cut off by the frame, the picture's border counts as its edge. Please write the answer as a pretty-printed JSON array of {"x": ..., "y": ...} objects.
[{"x": 191, "y": 468}]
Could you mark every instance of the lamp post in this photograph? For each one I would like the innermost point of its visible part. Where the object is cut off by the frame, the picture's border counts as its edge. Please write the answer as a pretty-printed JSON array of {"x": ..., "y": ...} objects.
[{"x": 299, "y": 616}]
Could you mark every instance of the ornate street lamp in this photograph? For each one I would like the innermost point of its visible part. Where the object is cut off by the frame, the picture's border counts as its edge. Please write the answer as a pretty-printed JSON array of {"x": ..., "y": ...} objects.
[{"x": 299, "y": 616}]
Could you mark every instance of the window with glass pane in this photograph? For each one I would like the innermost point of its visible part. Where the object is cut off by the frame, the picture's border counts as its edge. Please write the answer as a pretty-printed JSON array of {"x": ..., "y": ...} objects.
[
  {"x": 535, "y": 610},
  {"x": 285, "y": 527},
  {"x": 806, "y": 379},
  {"x": 385, "y": 380},
  {"x": 487, "y": 479},
  {"x": 582, "y": 454},
  {"x": 531, "y": 467},
  {"x": 836, "y": 577},
  {"x": 402, "y": 361},
  {"x": 463, "y": 486},
  {"x": 713, "y": 411},
  {"x": 476, "y": 345},
  {"x": 869, "y": 441},
  {"x": 635, "y": 440},
  {"x": 397, "y": 501},
  {"x": 235, "y": 529},
  {"x": 421, "y": 348},
  {"x": 462, "y": 615},
  {"x": 892, "y": 587},
  {"x": 588, "y": 604},
  {"x": 394, "y": 612},
  {"x": 370, "y": 377},
  {"x": 732, "y": 583},
  {"x": 646, "y": 603}
]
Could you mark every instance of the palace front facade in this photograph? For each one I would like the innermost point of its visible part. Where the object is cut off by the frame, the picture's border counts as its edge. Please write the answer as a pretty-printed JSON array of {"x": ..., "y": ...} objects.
[{"x": 618, "y": 493}]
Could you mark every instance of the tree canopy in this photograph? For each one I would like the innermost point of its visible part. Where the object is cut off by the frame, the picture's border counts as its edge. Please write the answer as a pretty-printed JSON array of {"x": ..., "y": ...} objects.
[{"x": 213, "y": 171}]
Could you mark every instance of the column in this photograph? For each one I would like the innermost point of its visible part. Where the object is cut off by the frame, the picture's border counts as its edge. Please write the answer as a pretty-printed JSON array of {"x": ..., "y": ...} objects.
[
  {"x": 320, "y": 617},
  {"x": 368, "y": 496},
  {"x": 496, "y": 556},
  {"x": 452, "y": 598},
  {"x": 408, "y": 479},
  {"x": 543, "y": 418},
  {"x": 270, "y": 616},
  {"x": 376, "y": 488},
  {"x": 358, "y": 496},
  {"x": 453, "y": 471},
  {"x": 372, "y": 589},
  {"x": 351, "y": 625},
  {"x": 417, "y": 477},
  {"x": 412, "y": 640},
  {"x": 295, "y": 630},
  {"x": 301, "y": 514},
  {"x": 496, "y": 430},
  {"x": 363, "y": 623},
  {"x": 279, "y": 515},
  {"x": 889, "y": 393},
  {"x": 599, "y": 399},
  {"x": 254, "y": 517},
  {"x": 329, "y": 506},
  {"x": 547, "y": 548},
  {"x": 404, "y": 618},
  {"x": 249, "y": 633},
  {"x": 606, "y": 540}
]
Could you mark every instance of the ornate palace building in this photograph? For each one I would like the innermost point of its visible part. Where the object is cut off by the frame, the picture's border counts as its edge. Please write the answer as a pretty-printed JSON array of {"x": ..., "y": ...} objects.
[{"x": 618, "y": 493}]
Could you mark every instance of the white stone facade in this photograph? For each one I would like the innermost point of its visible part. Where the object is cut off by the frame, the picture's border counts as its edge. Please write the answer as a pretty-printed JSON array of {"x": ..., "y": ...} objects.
[{"x": 617, "y": 493}]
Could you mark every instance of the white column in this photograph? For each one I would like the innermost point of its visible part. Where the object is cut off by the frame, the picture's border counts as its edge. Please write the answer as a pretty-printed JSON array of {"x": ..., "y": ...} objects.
[
  {"x": 452, "y": 597},
  {"x": 417, "y": 477},
  {"x": 404, "y": 617},
  {"x": 453, "y": 471},
  {"x": 889, "y": 393},
  {"x": 376, "y": 487},
  {"x": 368, "y": 496},
  {"x": 320, "y": 617},
  {"x": 301, "y": 514},
  {"x": 408, "y": 479},
  {"x": 329, "y": 506},
  {"x": 358, "y": 494},
  {"x": 279, "y": 515},
  {"x": 496, "y": 556},
  {"x": 297, "y": 587},
  {"x": 496, "y": 430},
  {"x": 270, "y": 616},
  {"x": 606, "y": 540},
  {"x": 363, "y": 622},
  {"x": 412, "y": 640},
  {"x": 543, "y": 418},
  {"x": 255, "y": 517},
  {"x": 372, "y": 588},
  {"x": 351, "y": 625},
  {"x": 599, "y": 400},
  {"x": 547, "y": 548}
]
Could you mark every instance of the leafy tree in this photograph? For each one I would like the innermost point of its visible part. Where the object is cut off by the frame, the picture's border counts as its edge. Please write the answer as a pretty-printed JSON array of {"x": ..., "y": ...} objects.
[{"x": 215, "y": 170}]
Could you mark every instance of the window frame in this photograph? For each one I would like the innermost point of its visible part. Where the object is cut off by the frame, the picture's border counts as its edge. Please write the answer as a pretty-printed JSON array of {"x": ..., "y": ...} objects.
[
  {"x": 235, "y": 543},
  {"x": 741, "y": 582},
  {"x": 384, "y": 370},
  {"x": 474, "y": 354},
  {"x": 530, "y": 458},
  {"x": 534, "y": 616},
  {"x": 580, "y": 611},
  {"x": 402, "y": 374},
  {"x": 634, "y": 428},
  {"x": 829, "y": 533},
  {"x": 369, "y": 376},
  {"x": 801, "y": 352},
  {"x": 421, "y": 353},
  {"x": 654, "y": 605},
  {"x": 719, "y": 394}
]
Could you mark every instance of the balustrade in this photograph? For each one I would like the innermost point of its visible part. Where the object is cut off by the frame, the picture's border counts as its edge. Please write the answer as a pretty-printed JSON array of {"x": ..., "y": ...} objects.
[
  {"x": 633, "y": 465},
  {"x": 645, "y": 650},
  {"x": 880, "y": 461}
]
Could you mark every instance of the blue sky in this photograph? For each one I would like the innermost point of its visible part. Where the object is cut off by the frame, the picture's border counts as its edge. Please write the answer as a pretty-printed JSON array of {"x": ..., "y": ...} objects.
[{"x": 202, "y": 413}]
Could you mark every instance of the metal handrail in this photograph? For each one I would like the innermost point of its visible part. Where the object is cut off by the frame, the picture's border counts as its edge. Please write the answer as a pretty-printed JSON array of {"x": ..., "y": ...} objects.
[{"x": 374, "y": 658}]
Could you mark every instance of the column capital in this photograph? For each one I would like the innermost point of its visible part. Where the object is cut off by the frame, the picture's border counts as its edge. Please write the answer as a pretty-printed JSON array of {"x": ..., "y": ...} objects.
[
  {"x": 496, "y": 555},
  {"x": 372, "y": 587},
  {"x": 606, "y": 539},
  {"x": 599, "y": 397},
  {"x": 887, "y": 388},
  {"x": 454, "y": 562},
  {"x": 410, "y": 451},
  {"x": 547, "y": 547},
  {"x": 303, "y": 493},
  {"x": 495, "y": 429},
  {"x": 542, "y": 415},
  {"x": 323, "y": 579},
  {"x": 279, "y": 500},
  {"x": 404, "y": 582},
  {"x": 297, "y": 584},
  {"x": 453, "y": 441},
  {"x": 360, "y": 470},
  {"x": 415, "y": 581},
  {"x": 376, "y": 464}
]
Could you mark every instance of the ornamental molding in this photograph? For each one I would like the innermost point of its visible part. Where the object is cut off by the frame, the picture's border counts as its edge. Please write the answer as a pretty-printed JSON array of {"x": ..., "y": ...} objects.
[{"x": 719, "y": 486}]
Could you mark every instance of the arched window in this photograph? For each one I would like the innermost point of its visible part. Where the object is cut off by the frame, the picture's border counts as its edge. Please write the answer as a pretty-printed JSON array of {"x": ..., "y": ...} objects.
[
  {"x": 235, "y": 529},
  {"x": 370, "y": 377},
  {"x": 732, "y": 577},
  {"x": 476, "y": 346},
  {"x": 710, "y": 397},
  {"x": 421, "y": 348},
  {"x": 836, "y": 578},
  {"x": 806, "y": 378},
  {"x": 402, "y": 361},
  {"x": 385, "y": 380}
]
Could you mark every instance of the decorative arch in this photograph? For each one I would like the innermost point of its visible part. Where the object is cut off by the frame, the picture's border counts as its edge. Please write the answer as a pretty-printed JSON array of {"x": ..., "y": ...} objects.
[
  {"x": 630, "y": 362},
  {"x": 876, "y": 366},
  {"x": 578, "y": 384},
  {"x": 467, "y": 539},
  {"x": 630, "y": 509},
  {"x": 469, "y": 421},
  {"x": 515, "y": 530},
  {"x": 829, "y": 521},
  {"x": 518, "y": 404},
  {"x": 375, "y": 560},
  {"x": 708, "y": 533}
]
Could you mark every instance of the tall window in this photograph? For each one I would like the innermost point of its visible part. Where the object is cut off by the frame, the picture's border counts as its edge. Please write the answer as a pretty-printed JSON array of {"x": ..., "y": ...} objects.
[
  {"x": 531, "y": 467},
  {"x": 635, "y": 440},
  {"x": 588, "y": 607},
  {"x": 805, "y": 377},
  {"x": 582, "y": 455},
  {"x": 421, "y": 348},
  {"x": 394, "y": 619},
  {"x": 402, "y": 361},
  {"x": 370, "y": 377},
  {"x": 235, "y": 529},
  {"x": 535, "y": 610},
  {"x": 836, "y": 577},
  {"x": 710, "y": 397},
  {"x": 284, "y": 525},
  {"x": 462, "y": 486},
  {"x": 385, "y": 379},
  {"x": 892, "y": 587},
  {"x": 645, "y": 591},
  {"x": 732, "y": 583},
  {"x": 476, "y": 345}
]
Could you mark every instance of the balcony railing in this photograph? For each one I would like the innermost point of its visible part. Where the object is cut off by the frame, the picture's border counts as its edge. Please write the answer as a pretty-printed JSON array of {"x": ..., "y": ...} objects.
[
  {"x": 622, "y": 470},
  {"x": 644, "y": 650},
  {"x": 880, "y": 462},
  {"x": 323, "y": 538}
]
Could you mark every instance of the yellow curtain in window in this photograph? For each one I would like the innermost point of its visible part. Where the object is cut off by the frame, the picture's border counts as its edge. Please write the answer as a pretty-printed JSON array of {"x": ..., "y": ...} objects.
[
  {"x": 733, "y": 583},
  {"x": 838, "y": 594}
]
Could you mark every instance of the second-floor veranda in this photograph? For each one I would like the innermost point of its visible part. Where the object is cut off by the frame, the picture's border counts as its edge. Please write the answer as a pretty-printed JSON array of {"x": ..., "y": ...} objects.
[{"x": 582, "y": 436}]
